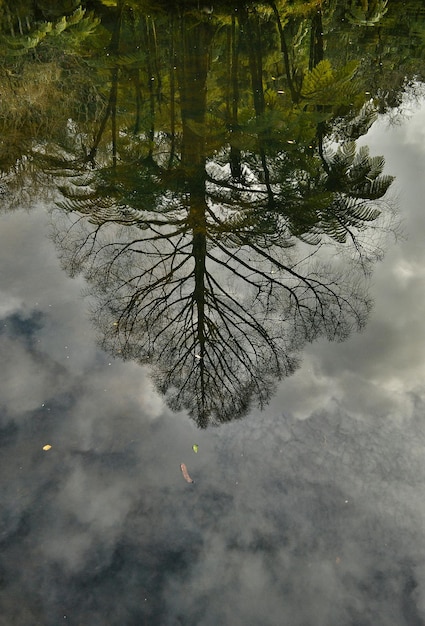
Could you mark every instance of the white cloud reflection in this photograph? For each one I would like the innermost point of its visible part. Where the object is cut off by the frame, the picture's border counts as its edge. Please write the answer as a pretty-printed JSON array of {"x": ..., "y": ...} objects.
[{"x": 308, "y": 513}]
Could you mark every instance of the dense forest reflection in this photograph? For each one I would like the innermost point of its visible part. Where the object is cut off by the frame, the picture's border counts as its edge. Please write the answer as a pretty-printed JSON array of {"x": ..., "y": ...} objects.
[{"x": 208, "y": 184}]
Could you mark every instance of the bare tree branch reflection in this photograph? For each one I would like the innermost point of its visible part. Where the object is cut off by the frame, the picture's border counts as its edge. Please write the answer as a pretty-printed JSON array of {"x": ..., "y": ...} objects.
[{"x": 218, "y": 307}]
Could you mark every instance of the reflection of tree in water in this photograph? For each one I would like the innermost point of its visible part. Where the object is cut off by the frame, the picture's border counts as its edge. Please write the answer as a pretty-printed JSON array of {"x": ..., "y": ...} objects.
[
  {"x": 211, "y": 203},
  {"x": 204, "y": 279},
  {"x": 219, "y": 323},
  {"x": 219, "y": 301}
]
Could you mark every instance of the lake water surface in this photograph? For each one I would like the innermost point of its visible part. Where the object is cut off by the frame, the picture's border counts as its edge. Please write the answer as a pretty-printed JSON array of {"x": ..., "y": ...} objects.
[{"x": 191, "y": 265}]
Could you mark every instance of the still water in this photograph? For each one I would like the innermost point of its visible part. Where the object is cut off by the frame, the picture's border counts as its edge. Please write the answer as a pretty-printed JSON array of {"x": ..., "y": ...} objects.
[{"x": 212, "y": 255}]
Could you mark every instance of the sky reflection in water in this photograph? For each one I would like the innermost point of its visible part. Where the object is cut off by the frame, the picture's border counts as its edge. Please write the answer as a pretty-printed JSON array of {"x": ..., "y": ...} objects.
[{"x": 310, "y": 512}]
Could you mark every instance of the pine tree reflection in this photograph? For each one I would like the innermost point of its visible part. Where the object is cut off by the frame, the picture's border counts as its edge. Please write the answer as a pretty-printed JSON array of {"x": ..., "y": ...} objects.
[
  {"x": 200, "y": 278},
  {"x": 218, "y": 305}
]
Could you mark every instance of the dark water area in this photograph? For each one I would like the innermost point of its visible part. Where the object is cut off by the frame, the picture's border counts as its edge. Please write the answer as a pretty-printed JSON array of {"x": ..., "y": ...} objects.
[{"x": 211, "y": 253}]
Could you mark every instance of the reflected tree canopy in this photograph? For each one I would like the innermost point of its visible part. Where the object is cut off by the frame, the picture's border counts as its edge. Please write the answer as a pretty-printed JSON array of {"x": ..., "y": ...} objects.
[{"x": 207, "y": 178}]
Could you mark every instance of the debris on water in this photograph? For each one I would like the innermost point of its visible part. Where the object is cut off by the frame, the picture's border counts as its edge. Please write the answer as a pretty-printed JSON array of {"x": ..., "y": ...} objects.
[
  {"x": 47, "y": 446},
  {"x": 185, "y": 473},
  {"x": 195, "y": 448}
]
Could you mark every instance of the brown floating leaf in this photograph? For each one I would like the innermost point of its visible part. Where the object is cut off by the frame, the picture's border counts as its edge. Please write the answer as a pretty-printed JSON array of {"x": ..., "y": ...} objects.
[{"x": 185, "y": 473}]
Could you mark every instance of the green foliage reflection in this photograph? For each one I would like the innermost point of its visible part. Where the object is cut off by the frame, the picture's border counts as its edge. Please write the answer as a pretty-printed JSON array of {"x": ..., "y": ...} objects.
[{"x": 207, "y": 164}]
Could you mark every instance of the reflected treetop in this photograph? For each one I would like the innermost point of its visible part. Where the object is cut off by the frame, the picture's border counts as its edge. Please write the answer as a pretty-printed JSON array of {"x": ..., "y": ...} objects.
[{"x": 212, "y": 191}]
